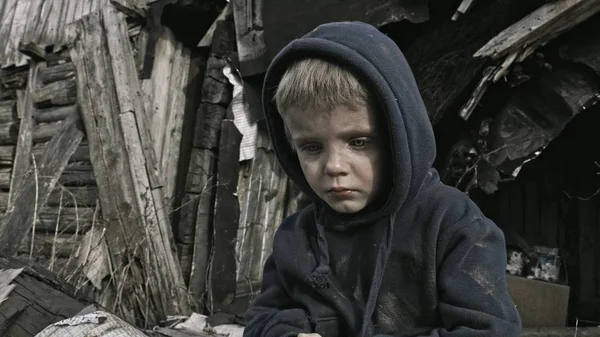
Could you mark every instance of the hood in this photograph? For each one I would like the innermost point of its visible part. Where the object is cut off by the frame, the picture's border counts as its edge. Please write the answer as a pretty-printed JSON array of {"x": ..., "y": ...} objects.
[{"x": 377, "y": 61}]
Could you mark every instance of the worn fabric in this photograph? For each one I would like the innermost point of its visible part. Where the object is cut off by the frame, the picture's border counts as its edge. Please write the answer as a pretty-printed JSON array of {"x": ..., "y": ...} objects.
[{"x": 424, "y": 261}]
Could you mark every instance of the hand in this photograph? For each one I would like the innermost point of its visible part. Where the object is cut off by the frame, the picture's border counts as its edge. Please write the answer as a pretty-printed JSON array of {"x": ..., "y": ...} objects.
[{"x": 309, "y": 335}]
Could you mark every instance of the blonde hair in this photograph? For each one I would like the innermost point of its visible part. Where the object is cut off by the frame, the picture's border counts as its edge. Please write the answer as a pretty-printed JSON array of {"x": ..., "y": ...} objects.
[{"x": 318, "y": 85}]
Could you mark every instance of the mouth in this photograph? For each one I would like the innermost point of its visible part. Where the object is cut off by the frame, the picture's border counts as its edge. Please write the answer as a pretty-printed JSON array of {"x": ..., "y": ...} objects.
[{"x": 340, "y": 192}]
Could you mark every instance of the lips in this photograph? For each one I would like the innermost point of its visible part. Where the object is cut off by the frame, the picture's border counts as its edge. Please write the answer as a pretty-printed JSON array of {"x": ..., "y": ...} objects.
[
  {"x": 340, "y": 192},
  {"x": 339, "y": 189}
]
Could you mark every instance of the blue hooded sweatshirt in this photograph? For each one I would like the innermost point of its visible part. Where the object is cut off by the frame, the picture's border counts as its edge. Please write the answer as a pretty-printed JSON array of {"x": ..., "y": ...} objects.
[{"x": 424, "y": 261}]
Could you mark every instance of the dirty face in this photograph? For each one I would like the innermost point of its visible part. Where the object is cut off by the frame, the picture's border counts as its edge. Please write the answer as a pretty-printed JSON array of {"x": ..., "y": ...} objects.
[{"x": 340, "y": 153}]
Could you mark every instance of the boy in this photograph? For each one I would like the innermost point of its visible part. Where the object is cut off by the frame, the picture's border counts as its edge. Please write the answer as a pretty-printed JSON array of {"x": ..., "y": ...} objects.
[{"x": 386, "y": 248}]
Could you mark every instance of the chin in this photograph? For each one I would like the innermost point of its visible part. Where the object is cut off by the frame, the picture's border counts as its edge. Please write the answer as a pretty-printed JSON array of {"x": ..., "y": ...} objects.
[{"x": 346, "y": 207}]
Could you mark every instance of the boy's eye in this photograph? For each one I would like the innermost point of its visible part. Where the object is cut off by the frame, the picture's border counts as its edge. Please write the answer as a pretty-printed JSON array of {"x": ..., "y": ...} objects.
[
  {"x": 311, "y": 148},
  {"x": 359, "y": 142}
]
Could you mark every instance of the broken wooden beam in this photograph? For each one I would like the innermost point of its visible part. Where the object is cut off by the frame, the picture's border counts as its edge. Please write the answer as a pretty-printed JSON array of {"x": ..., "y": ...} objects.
[
  {"x": 226, "y": 13},
  {"x": 43, "y": 132},
  {"x": 35, "y": 51},
  {"x": 25, "y": 111},
  {"x": 39, "y": 298},
  {"x": 55, "y": 93},
  {"x": 125, "y": 167},
  {"x": 462, "y": 9},
  {"x": 539, "y": 27},
  {"x": 8, "y": 111},
  {"x": 53, "y": 114},
  {"x": 7, "y": 154},
  {"x": 196, "y": 218},
  {"x": 57, "y": 73},
  {"x": 166, "y": 105},
  {"x": 5, "y": 177},
  {"x": 36, "y": 185},
  {"x": 222, "y": 276},
  {"x": 65, "y": 220},
  {"x": 82, "y": 153},
  {"x": 9, "y": 133}
]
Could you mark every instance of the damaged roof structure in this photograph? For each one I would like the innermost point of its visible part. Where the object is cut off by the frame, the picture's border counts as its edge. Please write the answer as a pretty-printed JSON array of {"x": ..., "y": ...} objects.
[{"x": 135, "y": 163}]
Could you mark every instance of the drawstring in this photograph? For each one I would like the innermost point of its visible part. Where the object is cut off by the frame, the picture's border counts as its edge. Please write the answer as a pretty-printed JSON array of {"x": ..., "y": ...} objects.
[
  {"x": 318, "y": 279},
  {"x": 380, "y": 264}
]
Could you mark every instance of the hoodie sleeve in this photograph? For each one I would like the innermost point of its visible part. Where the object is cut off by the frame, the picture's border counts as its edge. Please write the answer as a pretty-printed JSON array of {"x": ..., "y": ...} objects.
[
  {"x": 273, "y": 313},
  {"x": 474, "y": 300}
]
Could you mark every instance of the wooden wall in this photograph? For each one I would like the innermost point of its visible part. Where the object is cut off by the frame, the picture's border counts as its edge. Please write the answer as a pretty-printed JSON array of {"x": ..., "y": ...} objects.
[
  {"x": 552, "y": 203},
  {"x": 70, "y": 209}
]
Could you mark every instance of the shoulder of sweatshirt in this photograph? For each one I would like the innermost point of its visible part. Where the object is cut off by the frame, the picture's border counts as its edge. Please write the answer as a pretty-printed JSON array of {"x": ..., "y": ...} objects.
[{"x": 448, "y": 208}]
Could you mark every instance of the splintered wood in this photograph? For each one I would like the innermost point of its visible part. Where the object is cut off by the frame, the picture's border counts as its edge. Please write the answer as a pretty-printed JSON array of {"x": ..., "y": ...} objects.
[
  {"x": 31, "y": 191},
  {"x": 128, "y": 179},
  {"x": 520, "y": 40},
  {"x": 539, "y": 27}
]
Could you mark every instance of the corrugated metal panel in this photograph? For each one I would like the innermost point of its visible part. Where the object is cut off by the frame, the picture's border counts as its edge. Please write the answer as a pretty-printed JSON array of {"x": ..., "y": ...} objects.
[{"x": 42, "y": 22}]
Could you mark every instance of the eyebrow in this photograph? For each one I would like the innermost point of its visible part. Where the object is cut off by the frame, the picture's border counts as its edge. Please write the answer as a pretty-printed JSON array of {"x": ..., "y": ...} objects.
[{"x": 344, "y": 134}]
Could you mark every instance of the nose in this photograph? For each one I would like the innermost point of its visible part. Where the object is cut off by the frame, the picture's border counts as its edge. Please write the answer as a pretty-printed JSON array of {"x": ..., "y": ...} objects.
[{"x": 336, "y": 163}]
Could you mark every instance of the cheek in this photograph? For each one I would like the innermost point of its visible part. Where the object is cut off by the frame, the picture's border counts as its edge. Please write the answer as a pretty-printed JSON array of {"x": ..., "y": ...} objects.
[{"x": 310, "y": 170}]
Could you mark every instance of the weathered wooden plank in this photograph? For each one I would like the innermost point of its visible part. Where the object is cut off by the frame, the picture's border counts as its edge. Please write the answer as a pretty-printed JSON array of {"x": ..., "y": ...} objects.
[
  {"x": 73, "y": 196},
  {"x": 262, "y": 197},
  {"x": 539, "y": 27},
  {"x": 23, "y": 149},
  {"x": 45, "y": 131},
  {"x": 207, "y": 40},
  {"x": 5, "y": 176},
  {"x": 69, "y": 17},
  {"x": 7, "y": 155},
  {"x": 169, "y": 159},
  {"x": 251, "y": 44},
  {"x": 51, "y": 244},
  {"x": 54, "y": 114},
  {"x": 78, "y": 174},
  {"x": 81, "y": 154},
  {"x": 3, "y": 202},
  {"x": 8, "y": 111},
  {"x": 9, "y": 133},
  {"x": 123, "y": 159},
  {"x": 222, "y": 277},
  {"x": 6, "y": 22},
  {"x": 207, "y": 127},
  {"x": 166, "y": 106},
  {"x": 59, "y": 38},
  {"x": 197, "y": 217},
  {"x": 34, "y": 189},
  {"x": 34, "y": 15},
  {"x": 41, "y": 22},
  {"x": 39, "y": 299},
  {"x": 57, "y": 73},
  {"x": 20, "y": 20},
  {"x": 56, "y": 93},
  {"x": 142, "y": 158},
  {"x": 52, "y": 26},
  {"x": 156, "y": 87},
  {"x": 13, "y": 81},
  {"x": 214, "y": 88},
  {"x": 65, "y": 220}
]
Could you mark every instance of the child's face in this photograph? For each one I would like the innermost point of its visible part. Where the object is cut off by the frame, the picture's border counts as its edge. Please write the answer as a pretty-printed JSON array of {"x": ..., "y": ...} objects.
[{"x": 340, "y": 154}]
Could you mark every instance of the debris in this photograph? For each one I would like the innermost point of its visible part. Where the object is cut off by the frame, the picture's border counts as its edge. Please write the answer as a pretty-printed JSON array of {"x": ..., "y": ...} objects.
[
  {"x": 462, "y": 9},
  {"x": 6, "y": 278},
  {"x": 99, "y": 323}
]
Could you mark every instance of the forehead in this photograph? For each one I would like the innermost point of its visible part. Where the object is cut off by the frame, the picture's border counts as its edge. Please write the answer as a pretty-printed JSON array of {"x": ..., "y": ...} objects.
[{"x": 341, "y": 119}]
